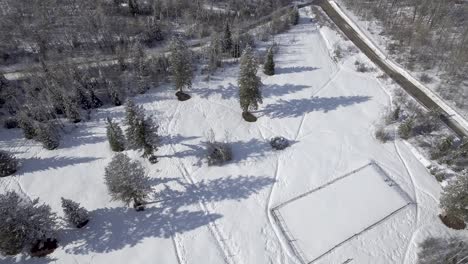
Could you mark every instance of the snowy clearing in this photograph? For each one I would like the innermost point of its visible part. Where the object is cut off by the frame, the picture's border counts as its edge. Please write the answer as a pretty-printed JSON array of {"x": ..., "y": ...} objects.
[
  {"x": 341, "y": 210},
  {"x": 205, "y": 214}
]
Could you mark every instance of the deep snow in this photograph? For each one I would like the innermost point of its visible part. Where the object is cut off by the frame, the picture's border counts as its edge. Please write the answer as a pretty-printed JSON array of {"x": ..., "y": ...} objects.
[{"x": 222, "y": 214}]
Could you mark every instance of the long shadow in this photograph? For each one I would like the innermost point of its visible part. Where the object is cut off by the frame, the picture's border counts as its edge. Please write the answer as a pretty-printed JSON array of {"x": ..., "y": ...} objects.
[
  {"x": 175, "y": 139},
  {"x": 40, "y": 164},
  {"x": 298, "y": 107},
  {"x": 226, "y": 91},
  {"x": 112, "y": 229},
  {"x": 280, "y": 90},
  {"x": 242, "y": 150},
  {"x": 286, "y": 70},
  {"x": 252, "y": 149}
]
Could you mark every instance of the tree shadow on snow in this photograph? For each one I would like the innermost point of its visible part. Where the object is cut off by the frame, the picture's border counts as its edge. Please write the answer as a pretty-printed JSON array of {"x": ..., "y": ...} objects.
[
  {"x": 115, "y": 228},
  {"x": 299, "y": 107},
  {"x": 280, "y": 90},
  {"x": 286, "y": 70},
  {"x": 226, "y": 91},
  {"x": 39, "y": 164}
]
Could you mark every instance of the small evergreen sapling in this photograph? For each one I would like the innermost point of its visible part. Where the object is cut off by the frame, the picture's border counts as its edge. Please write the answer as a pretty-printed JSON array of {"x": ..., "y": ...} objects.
[
  {"x": 249, "y": 83},
  {"x": 115, "y": 136},
  {"x": 74, "y": 213},
  {"x": 25, "y": 224},
  {"x": 269, "y": 66},
  {"x": 27, "y": 125},
  {"x": 48, "y": 136},
  {"x": 8, "y": 164},
  {"x": 126, "y": 181}
]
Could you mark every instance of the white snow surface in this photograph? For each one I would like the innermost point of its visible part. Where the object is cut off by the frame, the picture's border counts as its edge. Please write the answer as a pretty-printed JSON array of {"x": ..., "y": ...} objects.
[
  {"x": 451, "y": 112},
  {"x": 348, "y": 206},
  {"x": 223, "y": 214}
]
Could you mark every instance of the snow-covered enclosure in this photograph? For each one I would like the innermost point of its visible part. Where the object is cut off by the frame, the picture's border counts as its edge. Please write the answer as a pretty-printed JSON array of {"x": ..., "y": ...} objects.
[{"x": 222, "y": 214}]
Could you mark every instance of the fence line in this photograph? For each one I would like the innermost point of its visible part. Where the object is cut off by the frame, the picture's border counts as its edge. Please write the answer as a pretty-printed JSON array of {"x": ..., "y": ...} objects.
[{"x": 321, "y": 187}]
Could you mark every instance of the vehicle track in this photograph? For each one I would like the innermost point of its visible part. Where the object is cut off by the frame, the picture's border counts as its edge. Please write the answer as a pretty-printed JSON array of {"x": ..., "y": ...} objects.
[{"x": 212, "y": 227}]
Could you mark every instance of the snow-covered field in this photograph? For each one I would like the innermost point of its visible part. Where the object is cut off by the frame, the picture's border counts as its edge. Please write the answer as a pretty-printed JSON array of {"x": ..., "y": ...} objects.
[
  {"x": 359, "y": 200},
  {"x": 223, "y": 214}
]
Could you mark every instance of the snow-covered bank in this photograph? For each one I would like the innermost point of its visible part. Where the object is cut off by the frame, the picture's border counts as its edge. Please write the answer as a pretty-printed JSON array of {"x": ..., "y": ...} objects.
[
  {"x": 451, "y": 111},
  {"x": 222, "y": 214}
]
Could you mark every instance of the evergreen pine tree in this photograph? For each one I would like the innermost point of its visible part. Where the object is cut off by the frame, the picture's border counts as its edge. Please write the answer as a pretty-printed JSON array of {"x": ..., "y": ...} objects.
[
  {"x": 115, "y": 136},
  {"x": 74, "y": 213},
  {"x": 180, "y": 64},
  {"x": 269, "y": 66},
  {"x": 72, "y": 110},
  {"x": 249, "y": 83},
  {"x": 214, "y": 53},
  {"x": 454, "y": 199},
  {"x": 48, "y": 136},
  {"x": 227, "y": 39},
  {"x": 8, "y": 164},
  {"x": 24, "y": 223},
  {"x": 27, "y": 125},
  {"x": 126, "y": 180},
  {"x": 294, "y": 16},
  {"x": 141, "y": 131},
  {"x": 443, "y": 251}
]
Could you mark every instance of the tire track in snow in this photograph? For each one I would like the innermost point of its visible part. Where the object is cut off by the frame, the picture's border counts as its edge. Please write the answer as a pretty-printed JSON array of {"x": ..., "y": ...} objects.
[
  {"x": 176, "y": 244},
  {"x": 212, "y": 227},
  {"x": 334, "y": 76},
  {"x": 278, "y": 234},
  {"x": 415, "y": 193}
]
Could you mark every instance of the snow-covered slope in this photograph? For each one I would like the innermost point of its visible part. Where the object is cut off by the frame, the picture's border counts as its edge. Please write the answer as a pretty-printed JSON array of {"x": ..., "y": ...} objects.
[{"x": 222, "y": 214}]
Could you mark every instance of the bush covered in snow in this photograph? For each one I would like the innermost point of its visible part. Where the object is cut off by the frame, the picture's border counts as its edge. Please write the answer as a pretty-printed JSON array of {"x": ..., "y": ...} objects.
[
  {"x": 24, "y": 224},
  {"x": 218, "y": 153},
  {"x": 126, "y": 180},
  {"x": 444, "y": 251},
  {"x": 8, "y": 164},
  {"x": 74, "y": 213},
  {"x": 279, "y": 143}
]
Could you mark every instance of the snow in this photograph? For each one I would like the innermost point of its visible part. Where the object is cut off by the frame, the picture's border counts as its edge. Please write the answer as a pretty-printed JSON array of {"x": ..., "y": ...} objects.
[
  {"x": 451, "y": 112},
  {"x": 341, "y": 209},
  {"x": 222, "y": 214}
]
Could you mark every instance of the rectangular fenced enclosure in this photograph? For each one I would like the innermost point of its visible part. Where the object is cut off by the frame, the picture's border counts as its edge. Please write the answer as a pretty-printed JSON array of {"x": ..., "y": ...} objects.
[{"x": 325, "y": 218}]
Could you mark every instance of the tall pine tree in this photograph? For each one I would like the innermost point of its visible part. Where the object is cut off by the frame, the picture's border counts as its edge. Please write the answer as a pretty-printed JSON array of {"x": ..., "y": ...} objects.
[
  {"x": 249, "y": 83},
  {"x": 24, "y": 223},
  {"x": 269, "y": 66},
  {"x": 180, "y": 64},
  {"x": 141, "y": 131},
  {"x": 227, "y": 39},
  {"x": 126, "y": 180},
  {"x": 115, "y": 136},
  {"x": 454, "y": 199}
]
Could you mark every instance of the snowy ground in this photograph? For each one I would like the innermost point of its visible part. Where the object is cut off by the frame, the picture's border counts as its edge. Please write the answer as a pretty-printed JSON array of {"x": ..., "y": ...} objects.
[
  {"x": 222, "y": 214},
  {"x": 372, "y": 30},
  {"x": 358, "y": 201}
]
